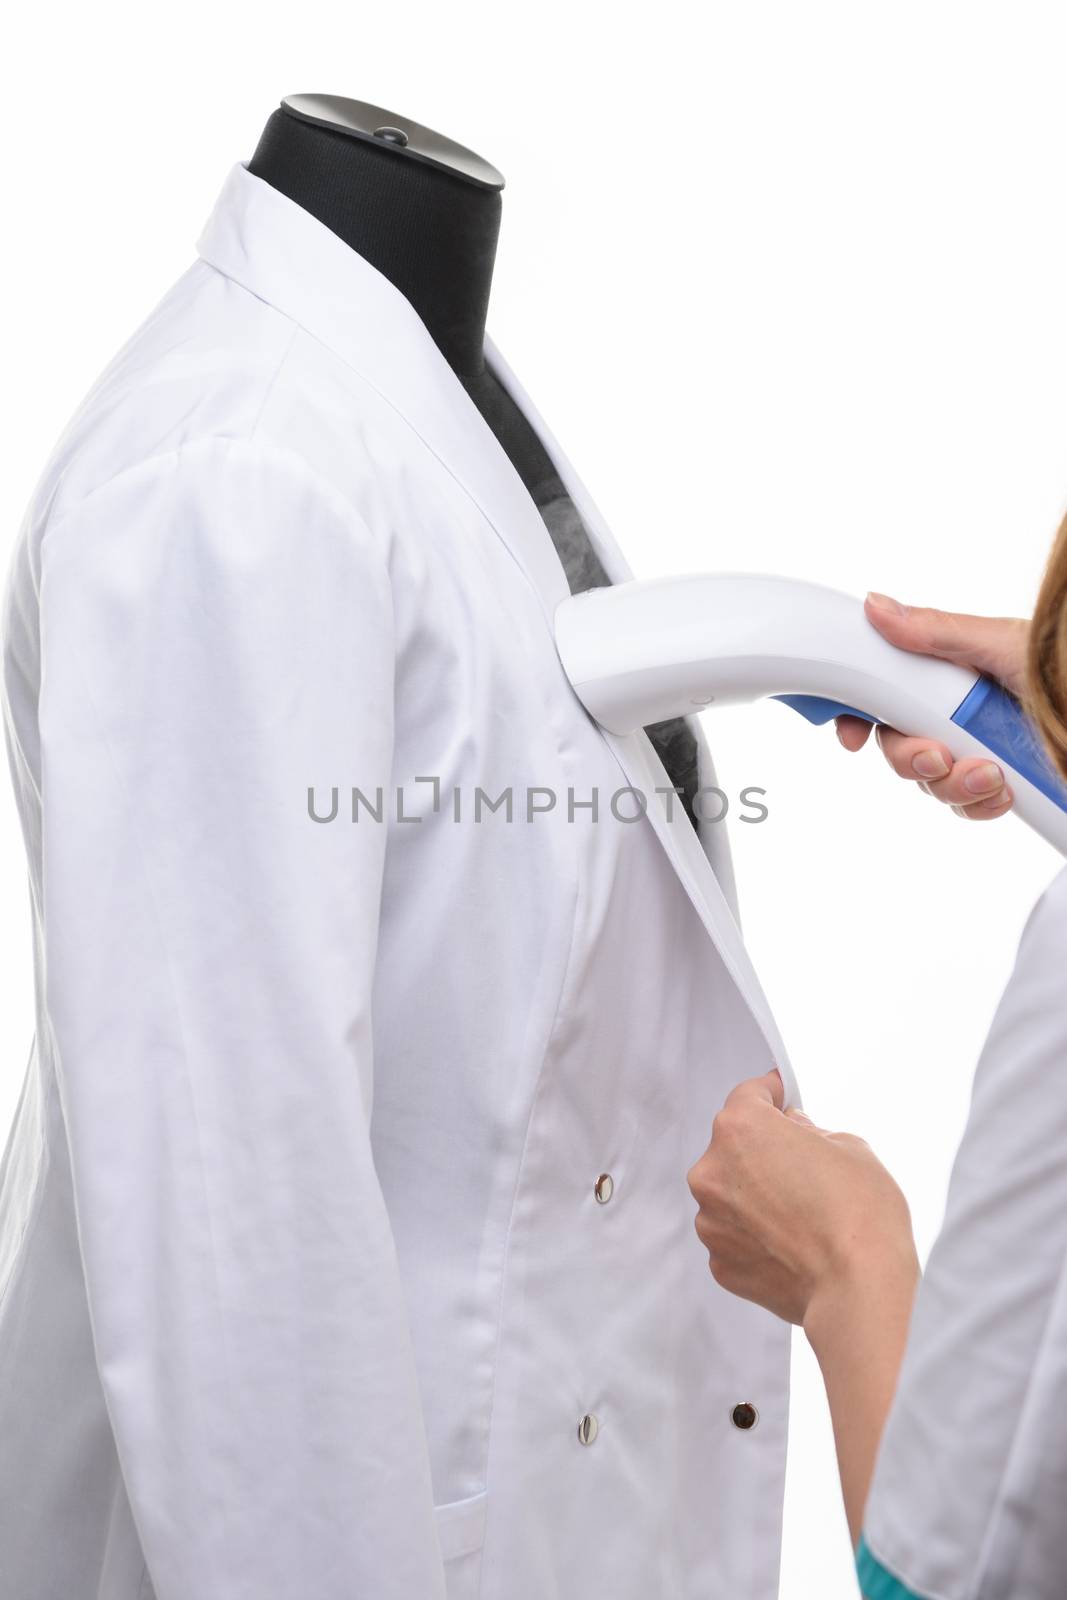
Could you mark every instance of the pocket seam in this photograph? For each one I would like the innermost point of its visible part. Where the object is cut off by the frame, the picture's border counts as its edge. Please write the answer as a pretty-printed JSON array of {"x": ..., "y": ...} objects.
[{"x": 461, "y": 1525}]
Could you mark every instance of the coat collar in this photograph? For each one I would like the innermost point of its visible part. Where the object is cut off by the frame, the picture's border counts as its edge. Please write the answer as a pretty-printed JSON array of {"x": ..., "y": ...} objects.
[{"x": 285, "y": 256}]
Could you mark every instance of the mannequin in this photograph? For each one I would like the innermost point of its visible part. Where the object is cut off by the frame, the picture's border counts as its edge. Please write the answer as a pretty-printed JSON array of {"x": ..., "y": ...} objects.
[
  {"x": 425, "y": 212},
  {"x": 345, "y": 1208}
]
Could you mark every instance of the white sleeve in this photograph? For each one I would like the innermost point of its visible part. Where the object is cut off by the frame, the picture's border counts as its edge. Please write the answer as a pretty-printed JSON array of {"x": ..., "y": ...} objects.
[
  {"x": 217, "y": 637},
  {"x": 960, "y": 1442}
]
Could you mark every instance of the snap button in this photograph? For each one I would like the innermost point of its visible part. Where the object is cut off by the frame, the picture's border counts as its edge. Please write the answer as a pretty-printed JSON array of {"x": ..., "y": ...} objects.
[
  {"x": 744, "y": 1416},
  {"x": 588, "y": 1429},
  {"x": 604, "y": 1188}
]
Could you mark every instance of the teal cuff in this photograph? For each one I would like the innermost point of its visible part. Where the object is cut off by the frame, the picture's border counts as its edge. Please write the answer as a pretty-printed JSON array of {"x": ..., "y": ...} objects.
[{"x": 878, "y": 1584}]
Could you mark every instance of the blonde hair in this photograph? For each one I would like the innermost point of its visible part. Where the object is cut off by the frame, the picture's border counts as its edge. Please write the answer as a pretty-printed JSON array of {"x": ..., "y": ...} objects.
[{"x": 1046, "y": 691}]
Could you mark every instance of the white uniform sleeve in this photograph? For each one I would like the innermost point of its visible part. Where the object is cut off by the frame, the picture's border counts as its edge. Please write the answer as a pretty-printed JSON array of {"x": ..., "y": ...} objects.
[
  {"x": 217, "y": 637},
  {"x": 959, "y": 1460}
]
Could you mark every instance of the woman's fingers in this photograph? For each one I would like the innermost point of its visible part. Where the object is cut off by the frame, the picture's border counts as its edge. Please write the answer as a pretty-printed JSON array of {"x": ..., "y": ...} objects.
[
  {"x": 795, "y": 1114},
  {"x": 995, "y": 645},
  {"x": 997, "y": 806},
  {"x": 925, "y": 760},
  {"x": 853, "y": 732},
  {"x": 974, "y": 787},
  {"x": 784, "y": 1206},
  {"x": 769, "y": 1089}
]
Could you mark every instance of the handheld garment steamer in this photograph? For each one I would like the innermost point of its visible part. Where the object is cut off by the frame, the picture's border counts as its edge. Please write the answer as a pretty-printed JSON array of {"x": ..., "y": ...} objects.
[{"x": 640, "y": 652}]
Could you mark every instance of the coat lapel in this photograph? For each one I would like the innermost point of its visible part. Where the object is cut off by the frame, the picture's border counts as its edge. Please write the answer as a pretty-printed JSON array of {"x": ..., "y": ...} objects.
[
  {"x": 644, "y": 770},
  {"x": 281, "y": 253}
]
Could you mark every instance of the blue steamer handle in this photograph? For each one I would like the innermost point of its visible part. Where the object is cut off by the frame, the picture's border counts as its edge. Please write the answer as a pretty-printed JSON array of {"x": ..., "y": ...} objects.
[{"x": 989, "y": 714}]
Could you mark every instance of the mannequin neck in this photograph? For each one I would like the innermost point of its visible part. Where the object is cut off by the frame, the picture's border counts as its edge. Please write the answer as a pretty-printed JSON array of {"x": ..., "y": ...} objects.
[{"x": 433, "y": 235}]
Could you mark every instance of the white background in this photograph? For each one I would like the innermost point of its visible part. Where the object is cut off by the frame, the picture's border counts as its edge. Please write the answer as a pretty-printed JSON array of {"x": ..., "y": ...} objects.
[{"x": 788, "y": 282}]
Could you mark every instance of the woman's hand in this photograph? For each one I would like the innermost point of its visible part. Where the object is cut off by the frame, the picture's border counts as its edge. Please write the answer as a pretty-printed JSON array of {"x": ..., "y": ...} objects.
[
  {"x": 790, "y": 1214},
  {"x": 810, "y": 1225},
  {"x": 995, "y": 645}
]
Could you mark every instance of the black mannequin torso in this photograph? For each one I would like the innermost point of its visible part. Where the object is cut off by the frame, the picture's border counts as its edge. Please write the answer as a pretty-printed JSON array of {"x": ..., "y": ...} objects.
[{"x": 430, "y": 224}]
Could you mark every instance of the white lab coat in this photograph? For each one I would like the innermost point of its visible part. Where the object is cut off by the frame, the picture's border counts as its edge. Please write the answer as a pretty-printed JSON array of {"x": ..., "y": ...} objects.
[
  {"x": 256, "y": 1344},
  {"x": 969, "y": 1498}
]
